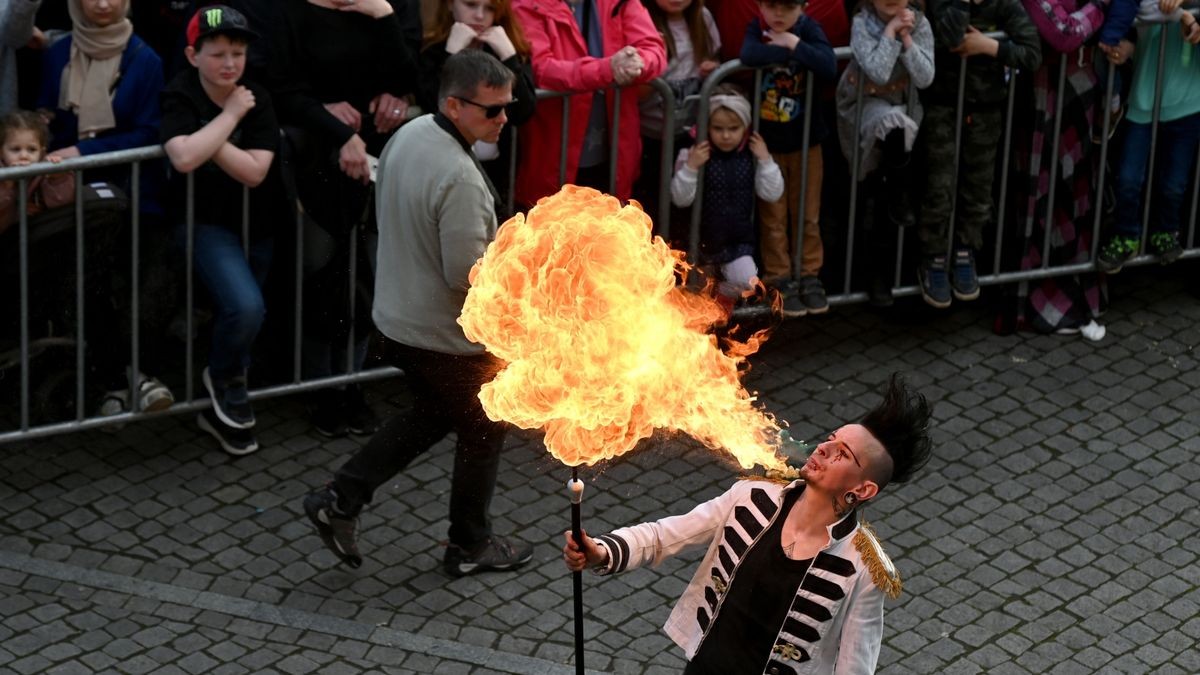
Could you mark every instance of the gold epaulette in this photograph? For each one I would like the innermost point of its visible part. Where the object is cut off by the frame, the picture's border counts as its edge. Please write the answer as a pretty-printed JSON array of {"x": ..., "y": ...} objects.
[{"x": 883, "y": 572}]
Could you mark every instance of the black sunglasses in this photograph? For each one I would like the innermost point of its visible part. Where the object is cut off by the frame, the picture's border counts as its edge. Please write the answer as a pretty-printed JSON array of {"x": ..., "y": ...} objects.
[{"x": 489, "y": 111}]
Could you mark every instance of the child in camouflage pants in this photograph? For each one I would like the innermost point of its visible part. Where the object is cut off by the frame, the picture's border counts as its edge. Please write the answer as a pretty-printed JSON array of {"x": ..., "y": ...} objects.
[{"x": 959, "y": 29}]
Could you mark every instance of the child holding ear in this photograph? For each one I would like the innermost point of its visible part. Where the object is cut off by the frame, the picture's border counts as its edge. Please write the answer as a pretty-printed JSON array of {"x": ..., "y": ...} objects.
[{"x": 738, "y": 167}]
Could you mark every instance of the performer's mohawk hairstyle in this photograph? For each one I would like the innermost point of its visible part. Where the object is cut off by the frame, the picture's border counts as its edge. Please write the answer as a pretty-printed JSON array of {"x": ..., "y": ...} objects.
[{"x": 901, "y": 423}]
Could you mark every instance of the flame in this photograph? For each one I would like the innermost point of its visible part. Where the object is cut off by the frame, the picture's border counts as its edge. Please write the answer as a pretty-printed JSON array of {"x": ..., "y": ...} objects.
[{"x": 602, "y": 347}]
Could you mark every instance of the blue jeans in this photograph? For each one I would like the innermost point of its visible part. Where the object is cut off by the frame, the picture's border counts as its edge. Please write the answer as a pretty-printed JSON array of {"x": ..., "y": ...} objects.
[
  {"x": 1176, "y": 152},
  {"x": 235, "y": 285}
]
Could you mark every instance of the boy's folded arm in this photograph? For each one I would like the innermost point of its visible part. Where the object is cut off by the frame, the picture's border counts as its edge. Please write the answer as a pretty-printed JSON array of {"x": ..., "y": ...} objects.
[
  {"x": 248, "y": 167},
  {"x": 756, "y": 53},
  {"x": 189, "y": 152},
  {"x": 814, "y": 51}
]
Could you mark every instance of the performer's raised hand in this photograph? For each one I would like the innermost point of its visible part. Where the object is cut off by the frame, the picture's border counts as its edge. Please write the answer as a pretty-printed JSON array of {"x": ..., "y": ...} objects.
[{"x": 591, "y": 556}]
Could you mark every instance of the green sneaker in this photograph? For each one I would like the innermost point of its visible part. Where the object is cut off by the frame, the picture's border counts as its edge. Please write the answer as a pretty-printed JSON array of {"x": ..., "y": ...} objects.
[
  {"x": 1115, "y": 253},
  {"x": 1166, "y": 246}
]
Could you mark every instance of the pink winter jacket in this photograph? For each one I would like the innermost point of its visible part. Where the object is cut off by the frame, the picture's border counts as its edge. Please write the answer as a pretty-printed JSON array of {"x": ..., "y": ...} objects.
[{"x": 561, "y": 63}]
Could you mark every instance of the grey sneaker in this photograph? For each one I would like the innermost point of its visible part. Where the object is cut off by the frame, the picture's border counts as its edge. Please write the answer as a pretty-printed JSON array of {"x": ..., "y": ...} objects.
[
  {"x": 793, "y": 306},
  {"x": 812, "y": 293},
  {"x": 494, "y": 554},
  {"x": 338, "y": 531}
]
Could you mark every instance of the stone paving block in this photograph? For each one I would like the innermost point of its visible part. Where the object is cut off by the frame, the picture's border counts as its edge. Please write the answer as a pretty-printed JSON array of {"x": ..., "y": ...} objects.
[{"x": 1044, "y": 569}]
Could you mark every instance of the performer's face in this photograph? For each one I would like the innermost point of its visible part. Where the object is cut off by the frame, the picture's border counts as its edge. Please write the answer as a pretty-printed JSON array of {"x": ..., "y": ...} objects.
[{"x": 840, "y": 463}]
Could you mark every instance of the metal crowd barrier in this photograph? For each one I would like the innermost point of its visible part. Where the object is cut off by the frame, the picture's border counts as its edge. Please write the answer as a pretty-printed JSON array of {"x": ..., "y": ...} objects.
[
  {"x": 186, "y": 402},
  {"x": 996, "y": 276},
  {"x": 135, "y": 157}
]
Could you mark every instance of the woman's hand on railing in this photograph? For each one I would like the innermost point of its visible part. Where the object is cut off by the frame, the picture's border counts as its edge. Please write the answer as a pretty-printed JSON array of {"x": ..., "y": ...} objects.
[{"x": 626, "y": 65}]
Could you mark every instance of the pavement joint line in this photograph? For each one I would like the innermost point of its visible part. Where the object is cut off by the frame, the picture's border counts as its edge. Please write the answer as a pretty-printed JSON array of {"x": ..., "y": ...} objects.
[{"x": 287, "y": 617}]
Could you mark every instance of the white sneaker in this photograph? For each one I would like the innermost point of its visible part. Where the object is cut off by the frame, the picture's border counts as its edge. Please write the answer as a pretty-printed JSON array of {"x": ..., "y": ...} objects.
[
  {"x": 1093, "y": 331},
  {"x": 113, "y": 403},
  {"x": 153, "y": 395}
]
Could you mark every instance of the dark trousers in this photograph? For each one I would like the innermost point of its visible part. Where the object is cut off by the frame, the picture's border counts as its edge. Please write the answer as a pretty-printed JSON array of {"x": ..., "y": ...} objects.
[
  {"x": 981, "y": 131},
  {"x": 445, "y": 390}
]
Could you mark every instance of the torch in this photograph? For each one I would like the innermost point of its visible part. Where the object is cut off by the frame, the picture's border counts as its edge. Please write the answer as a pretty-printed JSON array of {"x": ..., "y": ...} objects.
[{"x": 575, "y": 491}]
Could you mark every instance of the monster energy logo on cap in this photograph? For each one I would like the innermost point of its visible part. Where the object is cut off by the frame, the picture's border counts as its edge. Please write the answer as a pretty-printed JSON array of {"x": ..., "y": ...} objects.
[{"x": 218, "y": 19}]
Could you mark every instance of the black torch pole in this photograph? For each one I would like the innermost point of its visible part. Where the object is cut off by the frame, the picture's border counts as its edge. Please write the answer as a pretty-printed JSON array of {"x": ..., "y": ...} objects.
[{"x": 575, "y": 489}]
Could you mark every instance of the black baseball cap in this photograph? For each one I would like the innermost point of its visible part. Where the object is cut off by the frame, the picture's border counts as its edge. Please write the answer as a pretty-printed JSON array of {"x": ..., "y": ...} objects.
[{"x": 218, "y": 20}]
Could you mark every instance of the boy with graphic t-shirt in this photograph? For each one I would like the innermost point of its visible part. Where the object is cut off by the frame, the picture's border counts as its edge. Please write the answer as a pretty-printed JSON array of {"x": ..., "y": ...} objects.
[
  {"x": 795, "y": 46},
  {"x": 222, "y": 130}
]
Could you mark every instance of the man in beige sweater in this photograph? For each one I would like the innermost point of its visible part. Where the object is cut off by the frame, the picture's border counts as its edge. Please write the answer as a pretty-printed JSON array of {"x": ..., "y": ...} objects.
[{"x": 435, "y": 210}]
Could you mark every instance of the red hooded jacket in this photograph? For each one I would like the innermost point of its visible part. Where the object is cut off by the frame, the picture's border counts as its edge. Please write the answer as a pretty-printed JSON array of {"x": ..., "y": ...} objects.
[{"x": 560, "y": 62}]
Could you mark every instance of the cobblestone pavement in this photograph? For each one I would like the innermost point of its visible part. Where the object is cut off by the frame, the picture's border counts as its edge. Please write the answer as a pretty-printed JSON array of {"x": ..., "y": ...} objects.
[{"x": 1055, "y": 530}]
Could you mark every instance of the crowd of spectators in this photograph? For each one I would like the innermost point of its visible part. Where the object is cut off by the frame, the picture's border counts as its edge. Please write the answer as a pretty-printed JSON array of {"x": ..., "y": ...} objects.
[{"x": 338, "y": 77}]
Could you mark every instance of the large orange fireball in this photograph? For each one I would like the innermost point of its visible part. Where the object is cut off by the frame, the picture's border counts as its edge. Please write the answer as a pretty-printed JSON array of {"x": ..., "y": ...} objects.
[{"x": 601, "y": 346}]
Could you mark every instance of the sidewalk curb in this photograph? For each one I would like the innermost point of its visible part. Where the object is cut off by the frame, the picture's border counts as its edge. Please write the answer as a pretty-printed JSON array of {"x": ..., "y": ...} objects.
[{"x": 285, "y": 616}]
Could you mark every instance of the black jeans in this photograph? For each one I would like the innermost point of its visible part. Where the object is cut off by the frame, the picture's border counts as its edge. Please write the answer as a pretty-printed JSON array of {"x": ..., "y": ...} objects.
[{"x": 445, "y": 390}]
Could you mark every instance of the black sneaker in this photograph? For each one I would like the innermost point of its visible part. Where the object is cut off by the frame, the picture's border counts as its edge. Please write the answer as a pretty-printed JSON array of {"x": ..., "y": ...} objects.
[
  {"x": 812, "y": 293},
  {"x": 328, "y": 415},
  {"x": 1166, "y": 246},
  {"x": 494, "y": 554},
  {"x": 360, "y": 419},
  {"x": 236, "y": 442},
  {"x": 965, "y": 282},
  {"x": 338, "y": 531},
  {"x": 230, "y": 400},
  {"x": 935, "y": 284},
  {"x": 793, "y": 306},
  {"x": 1115, "y": 253}
]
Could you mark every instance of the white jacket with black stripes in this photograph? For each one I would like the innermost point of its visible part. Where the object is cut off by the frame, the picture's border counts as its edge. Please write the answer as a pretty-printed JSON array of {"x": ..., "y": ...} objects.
[{"x": 835, "y": 622}]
